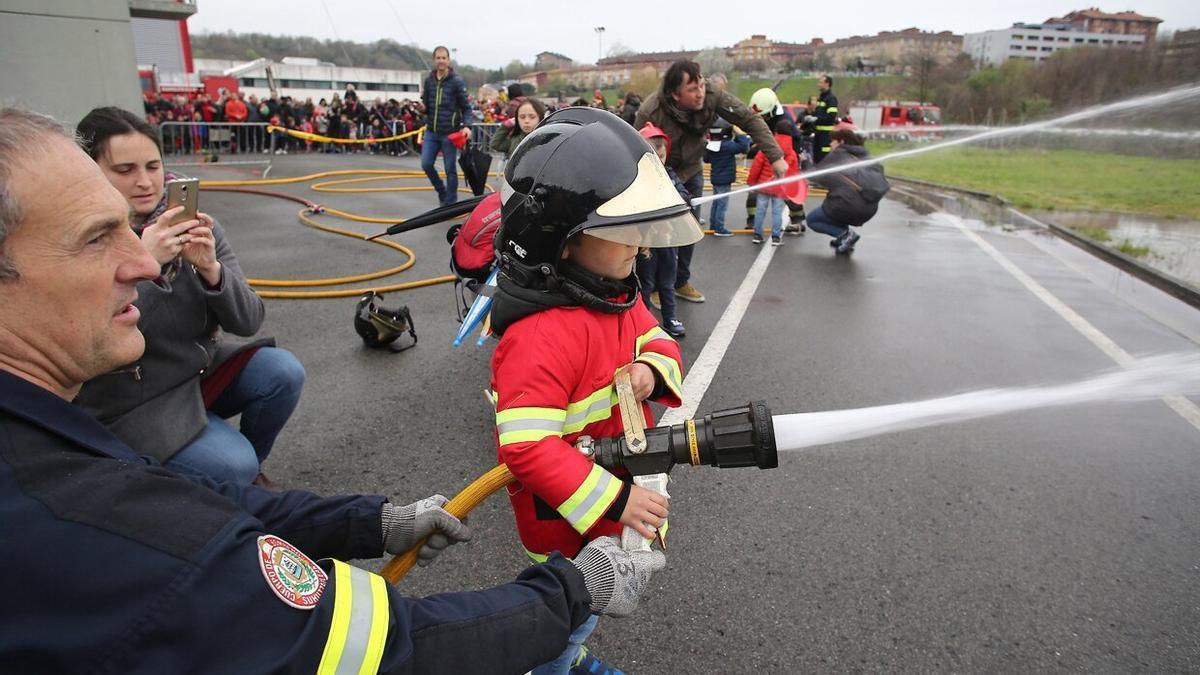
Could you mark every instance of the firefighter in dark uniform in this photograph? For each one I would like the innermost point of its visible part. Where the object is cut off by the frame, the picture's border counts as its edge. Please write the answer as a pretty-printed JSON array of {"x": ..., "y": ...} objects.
[
  {"x": 827, "y": 118},
  {"x": 115, "y": 564}
]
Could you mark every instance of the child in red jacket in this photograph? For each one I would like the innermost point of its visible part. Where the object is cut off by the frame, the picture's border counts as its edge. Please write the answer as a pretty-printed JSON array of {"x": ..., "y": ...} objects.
[
  {"x": 582, "y": 193},
  {"x": 770, "y": 200}
]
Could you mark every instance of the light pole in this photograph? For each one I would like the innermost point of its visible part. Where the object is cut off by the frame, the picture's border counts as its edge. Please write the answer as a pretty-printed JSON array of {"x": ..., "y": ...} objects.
[{"x": 599, "y": 43}]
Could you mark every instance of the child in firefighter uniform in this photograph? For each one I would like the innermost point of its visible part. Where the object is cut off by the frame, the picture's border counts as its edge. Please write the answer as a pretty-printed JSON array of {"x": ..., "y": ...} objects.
[{"x": 581, "y": 195}]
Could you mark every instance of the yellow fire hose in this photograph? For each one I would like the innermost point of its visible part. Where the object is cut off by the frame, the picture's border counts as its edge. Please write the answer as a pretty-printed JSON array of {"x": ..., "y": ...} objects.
[
  {"x": 462, "y": 504},
  {"x": 338, "y": 186}
]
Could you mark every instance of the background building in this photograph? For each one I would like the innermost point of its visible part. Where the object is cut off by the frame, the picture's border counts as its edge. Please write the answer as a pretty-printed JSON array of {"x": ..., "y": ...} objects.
[
  {"x": 35, "y": 35},
  {"x": 1082, "y": 28},
  {"x": 551, "y": 61},
  {"x": 890, "y": 51},
  {"x": 303, "y": 78}
]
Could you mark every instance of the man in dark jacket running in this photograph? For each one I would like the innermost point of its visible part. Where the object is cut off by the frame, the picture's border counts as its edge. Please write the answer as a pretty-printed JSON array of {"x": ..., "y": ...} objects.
[{"x": 446, "y": 111}]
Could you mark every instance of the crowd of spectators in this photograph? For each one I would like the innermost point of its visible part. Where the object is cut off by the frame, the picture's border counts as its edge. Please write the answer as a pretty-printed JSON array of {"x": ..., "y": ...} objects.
[{"x": 342, "y": 116}]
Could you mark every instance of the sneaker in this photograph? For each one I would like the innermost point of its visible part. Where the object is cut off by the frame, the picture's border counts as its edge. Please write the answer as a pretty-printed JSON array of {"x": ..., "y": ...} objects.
[
  {"x": 847, "y": 245},
  {"x": 722, "y": 233},
  {"x": 655, "y": 301},
  {"x": 777, "y": 241},
  {"x": 588, "y": 664},
  {"x": 689, "y": 292},
  {"x": 837, "y": 241},
  {"x": 757, "y": 238},
  {"x": 794, "y": 230},
  {"x": 674, "y": 327}
]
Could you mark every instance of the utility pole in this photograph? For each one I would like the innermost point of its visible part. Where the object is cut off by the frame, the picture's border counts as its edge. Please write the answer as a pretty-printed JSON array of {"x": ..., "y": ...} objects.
[{"x": 599, "y": 43}]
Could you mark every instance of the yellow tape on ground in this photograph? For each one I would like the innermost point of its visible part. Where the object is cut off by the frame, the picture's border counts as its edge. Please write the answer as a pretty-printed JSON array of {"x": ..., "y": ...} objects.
[{"x": 304, "y": 135}]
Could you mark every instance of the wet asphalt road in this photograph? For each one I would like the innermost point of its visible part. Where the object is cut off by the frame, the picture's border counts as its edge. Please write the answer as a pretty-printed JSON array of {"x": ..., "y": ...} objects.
[{"x": 1056, "y": 540}]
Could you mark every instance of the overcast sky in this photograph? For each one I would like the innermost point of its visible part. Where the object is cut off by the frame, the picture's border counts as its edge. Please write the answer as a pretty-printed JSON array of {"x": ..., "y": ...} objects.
[{"x": 490, "y": 34}]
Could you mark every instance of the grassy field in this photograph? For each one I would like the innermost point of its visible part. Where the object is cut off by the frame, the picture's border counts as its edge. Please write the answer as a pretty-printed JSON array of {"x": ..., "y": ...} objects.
[{"x": 1061, "y": 179}]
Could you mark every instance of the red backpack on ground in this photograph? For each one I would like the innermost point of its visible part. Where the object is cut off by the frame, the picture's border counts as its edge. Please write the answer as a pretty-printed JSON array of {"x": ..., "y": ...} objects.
[{"x": 471, "y": 251}]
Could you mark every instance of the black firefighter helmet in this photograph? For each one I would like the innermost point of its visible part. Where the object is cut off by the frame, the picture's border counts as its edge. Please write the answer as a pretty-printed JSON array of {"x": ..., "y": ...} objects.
[
  {"x": 585, "y": 170},
  {"x": 379, "y": 326}
]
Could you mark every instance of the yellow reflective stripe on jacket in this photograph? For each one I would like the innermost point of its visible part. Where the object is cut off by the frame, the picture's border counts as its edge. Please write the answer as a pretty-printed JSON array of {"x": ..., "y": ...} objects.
[
  {"x": 536, "y": 557},
  {"x": 595, "y": 407},
  {"x": 359, "y": 626},
  {"x": 656, "y": 333},
  {"x": 524, "y": 425},
  {"x": 824, "y": 127},
  {"x": 667, "y": 367},
  {"x": 832, "y": 109},
  {"x": 591, "y": 499}
]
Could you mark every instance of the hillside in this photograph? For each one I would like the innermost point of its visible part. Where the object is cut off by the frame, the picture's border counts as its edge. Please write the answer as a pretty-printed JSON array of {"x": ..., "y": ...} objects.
[{"x": 387, "y": 54}]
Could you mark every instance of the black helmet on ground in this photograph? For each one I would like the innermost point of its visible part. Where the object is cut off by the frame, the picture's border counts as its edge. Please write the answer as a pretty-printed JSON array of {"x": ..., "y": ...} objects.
[
  {"x": 379, "y": 326},
  {"x": 584, "y": 170}
]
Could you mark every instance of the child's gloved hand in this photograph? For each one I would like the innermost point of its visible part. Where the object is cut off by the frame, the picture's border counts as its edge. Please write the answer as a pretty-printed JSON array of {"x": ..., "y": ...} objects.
[
  {"x": 641, "y": 378},
  {"x": 645, "y": 509}
]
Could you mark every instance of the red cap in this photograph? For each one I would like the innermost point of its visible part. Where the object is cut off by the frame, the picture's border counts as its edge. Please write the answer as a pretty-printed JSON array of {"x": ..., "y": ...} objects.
[{"x": 649, "y": 131}]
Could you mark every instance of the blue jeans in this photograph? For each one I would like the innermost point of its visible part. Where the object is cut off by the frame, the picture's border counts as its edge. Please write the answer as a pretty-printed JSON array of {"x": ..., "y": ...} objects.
[
  {"x": 265, "y": 393},
  {"x": 434, "y": 143},
  {"x": 716, "y": 215},
  {"x": 771, "y": 207},
  {"x": 819, "y": 222},
  {"x": 656, "y": 272},
  {"x": 562, "y": 664}
]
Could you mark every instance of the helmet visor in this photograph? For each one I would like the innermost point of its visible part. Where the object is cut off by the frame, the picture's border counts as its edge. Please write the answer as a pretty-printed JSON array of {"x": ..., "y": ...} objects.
[
  {"x": 649, "y": 213},
  {"x": 679, "y": 229}
]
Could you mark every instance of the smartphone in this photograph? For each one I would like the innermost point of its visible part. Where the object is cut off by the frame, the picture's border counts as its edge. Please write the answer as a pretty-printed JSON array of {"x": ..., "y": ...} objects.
[{"x": 184, "y": 192}]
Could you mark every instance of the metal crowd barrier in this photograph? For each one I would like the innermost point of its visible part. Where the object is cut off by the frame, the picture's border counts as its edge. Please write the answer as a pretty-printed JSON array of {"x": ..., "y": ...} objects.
[
  {"x": 481, "y": 136},
  {"x": 196, "y": 143}
]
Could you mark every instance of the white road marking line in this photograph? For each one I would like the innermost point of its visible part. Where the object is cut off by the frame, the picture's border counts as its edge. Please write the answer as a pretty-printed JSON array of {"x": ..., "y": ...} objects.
[
  {"x": 1180, "y": 404},
  {"x": 701, "y": 373}
]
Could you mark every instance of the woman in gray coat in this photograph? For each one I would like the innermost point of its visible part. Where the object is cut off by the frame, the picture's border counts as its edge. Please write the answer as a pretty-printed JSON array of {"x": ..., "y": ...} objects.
[
  {"x": 200, "y": 366},
  {"x": 854, "y": 194}
]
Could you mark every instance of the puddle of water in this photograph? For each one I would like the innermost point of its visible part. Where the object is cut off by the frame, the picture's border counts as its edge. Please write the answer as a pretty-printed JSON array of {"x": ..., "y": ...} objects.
[{"x": 1174, "y": 244}]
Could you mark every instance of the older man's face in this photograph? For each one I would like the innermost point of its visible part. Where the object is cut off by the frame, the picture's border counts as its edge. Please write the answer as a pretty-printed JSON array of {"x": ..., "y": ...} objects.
[{"x": 70, "y": 316}]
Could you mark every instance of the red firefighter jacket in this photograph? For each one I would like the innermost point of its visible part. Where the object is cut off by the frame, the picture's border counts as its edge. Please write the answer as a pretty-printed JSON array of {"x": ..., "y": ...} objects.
[{"x": 552, "y": 375}]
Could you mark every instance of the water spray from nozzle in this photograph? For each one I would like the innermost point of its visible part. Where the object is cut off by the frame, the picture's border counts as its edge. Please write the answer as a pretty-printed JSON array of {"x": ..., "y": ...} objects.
[
  {"x": 1169, "y": 97},
  {"x": 1171, "y": 375}
]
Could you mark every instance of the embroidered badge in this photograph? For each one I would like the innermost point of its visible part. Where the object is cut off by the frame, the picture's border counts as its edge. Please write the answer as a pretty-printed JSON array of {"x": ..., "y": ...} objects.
[{"x": 292, "y": 575}]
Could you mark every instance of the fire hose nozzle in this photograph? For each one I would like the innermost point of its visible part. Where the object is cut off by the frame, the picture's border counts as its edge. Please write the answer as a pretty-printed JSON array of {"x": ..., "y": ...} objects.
[{"x": 736, "y": 437}]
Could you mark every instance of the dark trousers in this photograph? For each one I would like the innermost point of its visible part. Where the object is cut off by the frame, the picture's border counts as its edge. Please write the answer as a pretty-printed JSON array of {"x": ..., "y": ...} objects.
[
  {"x": 695, "y": 187},
  {"x": 656, "y": 272}
]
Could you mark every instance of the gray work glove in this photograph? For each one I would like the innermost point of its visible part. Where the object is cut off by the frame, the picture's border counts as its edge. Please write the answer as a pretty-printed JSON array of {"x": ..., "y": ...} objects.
[
  {"x": 404, "y": 526},
  {"x": 616, "y": 577}
]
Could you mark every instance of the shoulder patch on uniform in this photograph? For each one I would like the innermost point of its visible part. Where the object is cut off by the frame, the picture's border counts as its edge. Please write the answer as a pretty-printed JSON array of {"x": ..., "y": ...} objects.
[{"x": 294, "y": 577}]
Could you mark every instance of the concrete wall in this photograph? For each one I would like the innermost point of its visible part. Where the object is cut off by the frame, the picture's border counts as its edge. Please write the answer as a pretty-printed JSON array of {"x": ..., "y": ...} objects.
[{"x": 65, "y": 57}]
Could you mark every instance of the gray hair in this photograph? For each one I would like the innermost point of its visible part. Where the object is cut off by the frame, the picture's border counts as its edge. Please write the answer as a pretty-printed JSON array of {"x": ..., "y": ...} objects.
[{"x": 22, "y": 135}]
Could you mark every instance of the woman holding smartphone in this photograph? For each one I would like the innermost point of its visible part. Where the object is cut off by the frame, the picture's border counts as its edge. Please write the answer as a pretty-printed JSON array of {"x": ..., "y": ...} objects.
[{"x": 201, "y": 366}]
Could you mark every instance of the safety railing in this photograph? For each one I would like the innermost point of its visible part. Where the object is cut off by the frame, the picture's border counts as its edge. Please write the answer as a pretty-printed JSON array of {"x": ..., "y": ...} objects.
[
  {"x": 481, "y": 136},
  {"x": 194, "y": 143}
]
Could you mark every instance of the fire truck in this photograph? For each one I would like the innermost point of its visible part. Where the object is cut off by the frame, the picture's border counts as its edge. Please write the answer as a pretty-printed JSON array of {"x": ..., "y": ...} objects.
[
  {"x": 899, "y": 119},
  {"x": 188, "y": 84}
]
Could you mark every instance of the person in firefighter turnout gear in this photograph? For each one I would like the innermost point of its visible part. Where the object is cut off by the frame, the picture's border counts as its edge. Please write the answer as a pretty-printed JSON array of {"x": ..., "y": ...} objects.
[
  {"x": 119, "y": 565},
  {"x": 766, "y": 103},
  {"x": 826, "y": 116},
  {"x": 581, "y": 195}
]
